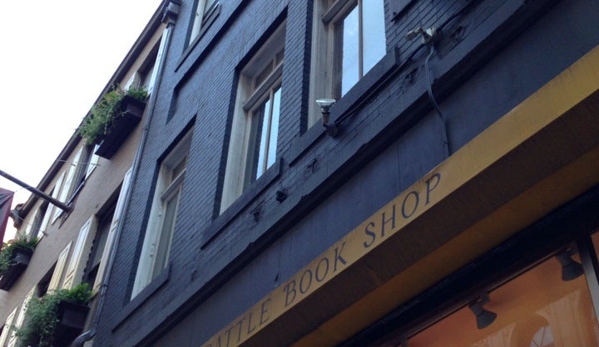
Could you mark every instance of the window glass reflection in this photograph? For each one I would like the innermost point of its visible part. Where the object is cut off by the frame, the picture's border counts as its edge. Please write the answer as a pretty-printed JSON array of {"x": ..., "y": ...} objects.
[
  {"x": 374, "y": 33},
  {"x": 536, "y": 309},
  {"x": 274, "y": 128},
  {"x": 350, "y": 51}
]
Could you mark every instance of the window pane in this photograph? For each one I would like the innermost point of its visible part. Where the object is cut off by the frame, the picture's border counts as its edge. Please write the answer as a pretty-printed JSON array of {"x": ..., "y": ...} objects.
[
  {"x": 164, "y": 244},
  {"x": 274, "y": 128},
  {"x": 350, "y": 51},
  {"x": 263, "y": 145},
  {"x": 374, "y": 33}
]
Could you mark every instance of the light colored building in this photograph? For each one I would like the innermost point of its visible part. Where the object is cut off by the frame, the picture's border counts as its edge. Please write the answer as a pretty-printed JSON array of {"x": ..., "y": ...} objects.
[{"x": 92, "y": 182}]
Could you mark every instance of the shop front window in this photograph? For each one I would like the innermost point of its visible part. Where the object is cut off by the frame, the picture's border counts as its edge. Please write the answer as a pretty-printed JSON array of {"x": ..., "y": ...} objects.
[{"x": 544, "y": 307}]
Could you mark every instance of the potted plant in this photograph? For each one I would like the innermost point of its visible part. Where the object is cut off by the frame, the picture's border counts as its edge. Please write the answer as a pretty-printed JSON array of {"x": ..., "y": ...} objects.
[
  {"x": 56, "y": 318},
  {"x": 14, "y": 258},
  {"x": 113, "y": 118}
]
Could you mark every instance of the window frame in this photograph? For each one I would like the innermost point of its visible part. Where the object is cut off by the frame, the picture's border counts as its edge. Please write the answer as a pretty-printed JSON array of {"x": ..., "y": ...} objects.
[
  {"x": 73, "y": 179},
  {"x": 157, "y": 233},
  {"x": 252, "y": 92},
  {"x": 325, "y": 52},
  {"x": 8, "y": 330},
  {"x": 204, "y": 12}
]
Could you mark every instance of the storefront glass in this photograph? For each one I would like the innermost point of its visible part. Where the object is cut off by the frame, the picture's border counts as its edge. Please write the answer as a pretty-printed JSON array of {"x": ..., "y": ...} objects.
[{"x": 536, "y": 309}]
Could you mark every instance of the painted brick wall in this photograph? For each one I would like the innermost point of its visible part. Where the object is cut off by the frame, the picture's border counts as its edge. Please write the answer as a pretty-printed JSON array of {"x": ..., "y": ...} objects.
[{"x": 201, "y": 82}]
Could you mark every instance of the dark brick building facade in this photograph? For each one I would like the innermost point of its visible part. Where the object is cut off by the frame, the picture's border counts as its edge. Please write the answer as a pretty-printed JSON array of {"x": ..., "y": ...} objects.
[{"x": 463, "y": 155}]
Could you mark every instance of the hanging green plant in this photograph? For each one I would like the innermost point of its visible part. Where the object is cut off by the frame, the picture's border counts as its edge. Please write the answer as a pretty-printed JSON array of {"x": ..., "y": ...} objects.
[
  {"x": 43, "y": 315},
  {"x": 7, "y": 255},
  {"x": 104, "y": 113}
]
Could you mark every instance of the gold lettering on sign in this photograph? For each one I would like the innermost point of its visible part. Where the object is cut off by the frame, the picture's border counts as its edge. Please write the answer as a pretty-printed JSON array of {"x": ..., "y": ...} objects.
[{"x": 357, "y": 243}]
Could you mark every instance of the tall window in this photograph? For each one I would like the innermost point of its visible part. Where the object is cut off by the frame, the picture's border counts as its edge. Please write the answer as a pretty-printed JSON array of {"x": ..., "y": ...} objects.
[
  {"x": 253, "y": 143},
  {"x": 348, "y": 40},
  {"x": 74, "y": 176},
  {"x": 40, "y": 222},
  {"x": 161, "y": 225},
  {"x": 147, "y": 73},
  {"x": 203, "y": 11},
  {"x": 97, "y": 248},
  {"x": 264, "y": 114}
]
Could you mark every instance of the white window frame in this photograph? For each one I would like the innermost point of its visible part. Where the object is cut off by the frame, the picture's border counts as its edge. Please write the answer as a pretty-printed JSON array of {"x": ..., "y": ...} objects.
[
  {"x": 59, "y": 268},
  {"x": 158, "y": 238},
  {"x": 116, "y": 220},
  {"x": 203, "y": 11},
  {"x": 45, "y": 220},
  {"x": 250, "y": 95},
  {"x": 134, "y": 81},
  {"x": 80, "y": 253},
  {"x": 20, "y": 318},
  {"x": 93, "y": 161},
  {"x": 67, "y": 186},
  {"x": 324, "y": 63},
  {"x": 147, "y": 74},
  {"x": 51, "y": 209},
  {"x": 8, "y": 332},
  {"x": 156, "y": 64},
  {"x": 77, "y": 172},
  {"x": 40, "y": 221}
]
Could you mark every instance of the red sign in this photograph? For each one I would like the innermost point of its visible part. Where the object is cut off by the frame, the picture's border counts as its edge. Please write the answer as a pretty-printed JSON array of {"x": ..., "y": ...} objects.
[{"x": 5, "y": 204}]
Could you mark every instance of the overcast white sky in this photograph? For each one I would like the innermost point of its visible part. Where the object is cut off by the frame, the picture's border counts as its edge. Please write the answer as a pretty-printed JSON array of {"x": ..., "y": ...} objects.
[{"x": 56, "y": 58}]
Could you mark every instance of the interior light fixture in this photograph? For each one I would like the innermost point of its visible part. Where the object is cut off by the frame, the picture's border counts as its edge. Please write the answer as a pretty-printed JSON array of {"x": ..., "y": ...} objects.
[
  {"x": 484, "y": 317},
  {"x": 571, "y": 269},
  {"x": 325, "y": 105}
]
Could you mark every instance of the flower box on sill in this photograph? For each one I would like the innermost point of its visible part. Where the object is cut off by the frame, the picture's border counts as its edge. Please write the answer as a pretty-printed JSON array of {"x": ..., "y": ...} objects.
[
  {"x": 122, "y": 125},
  {"x": 18, "y": 264},
  {"x": 71, "y": 321}
]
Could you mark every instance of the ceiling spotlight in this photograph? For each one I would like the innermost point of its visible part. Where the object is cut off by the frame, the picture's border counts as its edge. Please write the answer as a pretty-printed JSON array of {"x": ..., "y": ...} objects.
[
  {"x": 325, "y": 105},
  {"x": 571, "y": 269},
  {"x": 484, "y": 317}
]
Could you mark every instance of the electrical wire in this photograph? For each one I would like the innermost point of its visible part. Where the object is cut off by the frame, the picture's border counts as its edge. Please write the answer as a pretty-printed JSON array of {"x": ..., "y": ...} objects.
[
  {"x": 409, "y": 59},
  {"x": 431, "y": 96}
]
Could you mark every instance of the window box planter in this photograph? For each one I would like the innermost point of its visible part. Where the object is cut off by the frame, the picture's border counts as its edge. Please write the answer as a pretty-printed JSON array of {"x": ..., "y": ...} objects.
[
  {"x": 18, "y": 263},
  {"x": 112, "y": 119},
  {"x": 71, "y": 321},
  {"x": 123, "y": 124},
  {"x": 55, "y": 319}
]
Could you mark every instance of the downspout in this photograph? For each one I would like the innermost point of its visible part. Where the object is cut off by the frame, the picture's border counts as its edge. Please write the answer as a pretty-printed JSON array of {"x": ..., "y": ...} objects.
[{"x": 171, "y": 11}]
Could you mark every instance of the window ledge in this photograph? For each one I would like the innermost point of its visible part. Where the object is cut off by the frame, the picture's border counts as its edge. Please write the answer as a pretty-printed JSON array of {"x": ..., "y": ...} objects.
[
  {"x": 143, "y": 296},
  {"x": 241, "y": 203},
  {"x": 348, "y": 103},
  {"x": 304, "y": 142}
]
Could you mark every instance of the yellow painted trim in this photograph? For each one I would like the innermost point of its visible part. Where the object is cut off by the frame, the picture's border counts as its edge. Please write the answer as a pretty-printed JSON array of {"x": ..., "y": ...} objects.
[
  {"x": 485, "y": 234},
  {"x": 531, "y": 117}
]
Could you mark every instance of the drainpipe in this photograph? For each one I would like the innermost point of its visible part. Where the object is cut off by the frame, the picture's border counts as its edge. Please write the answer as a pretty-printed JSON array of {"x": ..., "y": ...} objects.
[{"x": 171, "y": 11}]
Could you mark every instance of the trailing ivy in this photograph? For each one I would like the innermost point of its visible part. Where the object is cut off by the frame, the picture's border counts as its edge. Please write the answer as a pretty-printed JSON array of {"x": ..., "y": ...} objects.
[
  {"x": 99, "y": 123},
  {"x": 7, "y": 256},
  {"x": 41, "y": 317}
]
